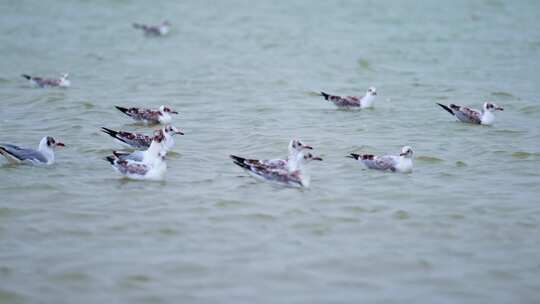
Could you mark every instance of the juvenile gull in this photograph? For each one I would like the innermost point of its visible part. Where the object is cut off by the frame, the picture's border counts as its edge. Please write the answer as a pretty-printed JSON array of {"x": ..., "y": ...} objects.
[
  {"x": 402, "y": 163},
  {"x": 165, "y": 145},
  {"x": 296, "y": 176},
  {"x": 352, "y": 102},
  {"x": 153, "y": 167},
  {"x": 468, "y": 115},
  {"x": 141, "y": 141},
  {"x": 154, "y": 30},
  {"x": 147, "y": 116},
  {"x": 44, "y": 155},
  {"x": 62, "y": 82}
]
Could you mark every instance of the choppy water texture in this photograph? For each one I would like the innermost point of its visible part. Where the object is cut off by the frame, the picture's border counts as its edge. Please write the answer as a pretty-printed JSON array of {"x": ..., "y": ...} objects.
[{"x": 463, "y": 228}]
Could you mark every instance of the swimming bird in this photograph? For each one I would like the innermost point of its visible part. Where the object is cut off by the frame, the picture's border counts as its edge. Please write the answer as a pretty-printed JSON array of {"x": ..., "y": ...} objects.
[
  {"x": 44, "y": 155},
  {"x": 147, "y": 116},
  {"x": 295, "y": 146},
  {"x": 292, "y": 177},
  {"x": 165, "y": 145},
  {"x": 468, "y": 115},
  {"x": 350, "y": 102},
  {"x": 402, "y": 163},
  {"x": 153, "y": 167},
  {"x": 62, "y": 82},
  {"x": 154, "y": 30},
  {"x": 141, "y": 141}
]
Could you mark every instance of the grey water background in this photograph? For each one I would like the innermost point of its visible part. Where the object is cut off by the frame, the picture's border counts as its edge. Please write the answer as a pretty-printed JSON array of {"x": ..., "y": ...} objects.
[{"x": 462, "y": 228}]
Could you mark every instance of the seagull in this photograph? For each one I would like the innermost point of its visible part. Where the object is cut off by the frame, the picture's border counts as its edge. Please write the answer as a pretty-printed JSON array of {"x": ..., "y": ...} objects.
[
  {"x": 62, "y": 82},
  {"x": 292, "y": 177},
  {"x": 402, "y": 163},
  {"x": 295, "y": 146},
  {"x": 468, "y": 115},
  {"x": 153, "y": 166},
  {"x": 154, "y": 30},
  {"x": 44, "y": 155},
  {"x": 145, "y": 156},
  {"x": 141, "y": 141},
  {"x": 349, "y": 102},
  {"x": 147, "y": 116}
]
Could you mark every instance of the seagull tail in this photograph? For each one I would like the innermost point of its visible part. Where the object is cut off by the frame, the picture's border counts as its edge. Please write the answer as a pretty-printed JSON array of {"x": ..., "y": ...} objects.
[
  {"x": 112, "y": 133},
  {"x": 446, "y": 108},
  {"x": 110, "y": 159},
  {"x": 354, "y": 155},
  {"x": 239, "y": 161},
  {"x": 27, "y": 76},
  {"x": 325, "y": 95},
  {"x": 122, "y": 109}
]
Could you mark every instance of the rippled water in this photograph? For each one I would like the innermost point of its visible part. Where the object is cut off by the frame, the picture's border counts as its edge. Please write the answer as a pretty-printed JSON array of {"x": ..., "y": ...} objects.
[{"x": 463, "y": 228}]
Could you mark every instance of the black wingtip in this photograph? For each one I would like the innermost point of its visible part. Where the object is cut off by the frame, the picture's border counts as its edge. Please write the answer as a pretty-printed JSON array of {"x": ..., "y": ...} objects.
[
  {"x": 122, "y": 109},
  {"x": 354, "y": 156},
  {"x": 26, "y": 76},
  {"x": 241, "y": 164},
  {"x": 325, "y": 95},
  {"x": 237, "y": 158},
  {"x": 109, "y": 131},
  {"x": 446, "y": 108},
  {"x": 110, "y": 159}
]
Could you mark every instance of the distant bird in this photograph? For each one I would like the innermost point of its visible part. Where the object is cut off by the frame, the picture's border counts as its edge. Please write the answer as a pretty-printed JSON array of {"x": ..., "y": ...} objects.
[
  {"x": 154, "y": 30},
  {"x": 44, "y": 155},
  {"x": 62, "y": 82},
  {"x": 141, "y": 141},
  {"x": 468, "y": 115},
  {"x": 295, "y": 176},
  {"x": 402, "y": 163},
  {"x": 351, "y": 102},
  {"x": 153, "y": 167},
  {"x": 147, "y": 116}
]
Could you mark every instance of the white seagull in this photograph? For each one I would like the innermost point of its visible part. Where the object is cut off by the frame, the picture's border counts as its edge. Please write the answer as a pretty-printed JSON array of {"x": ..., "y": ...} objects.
[
  {"x": 153, "y": 167},
  {"x": 295, "y": 146},
  {"x": 352, "y": 102},
  {"x": 62, "y": 82},
  {"x": 468, "y": 115},
  {"x": 292, "y": 177},
  {"x": 147, "y": 116},
  {"x": 154, "y": 30},
  {"x": 402, "y": 163},
  {"x": 44, "y": 155},
  {"x": 141, "y": 141},
  {"x": 145, "y": 156}
]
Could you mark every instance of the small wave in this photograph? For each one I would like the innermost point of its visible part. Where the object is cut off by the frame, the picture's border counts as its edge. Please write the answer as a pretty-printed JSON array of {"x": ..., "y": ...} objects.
[
  {"x": 523, "y": 154},
  {"x": 364, "y": 64},
  {"x": 429, "y": 159},
  {"x": 460, "y": 164},
  {"x": 503, "y": 94}
]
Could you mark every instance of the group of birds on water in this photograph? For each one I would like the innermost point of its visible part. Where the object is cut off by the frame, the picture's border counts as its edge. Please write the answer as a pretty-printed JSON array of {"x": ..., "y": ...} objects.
[{"x": 147, "y": 160}]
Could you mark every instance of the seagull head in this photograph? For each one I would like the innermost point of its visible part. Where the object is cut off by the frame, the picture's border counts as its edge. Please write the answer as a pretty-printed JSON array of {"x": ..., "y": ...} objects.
[
  {"x": 372, "y": 91},
  {"x": 164, "y": 109},
  {"x": 491, "y": 107},
  {"x": 51, "y": 142},
  {"x": 406, "y": 152},
  {"x": 296, "y": 145},
  {"x": 64, "y": 80},
  {"x": 309, "y": 157},
  {"x": 172, "y": 130}
]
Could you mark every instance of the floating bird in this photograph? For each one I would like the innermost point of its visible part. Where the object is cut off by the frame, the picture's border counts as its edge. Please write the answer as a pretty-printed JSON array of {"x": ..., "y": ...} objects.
[
  {"x": 141, "y": 141},
  {"x": 351, "y": 102},
  {"x": 165, "y": 145},
  {"x": 62, "y": 82},
  {"x": 154, "y": 30},
  {"x": 44, "y": 155},
  {"x": 295, "y": 146},
  {"x": 147, "y": 116},
  {"x": 297, "y": 177},
  {"x": 468, "y": 115},
  {"x": 153, "y": 167},
  {"x": 402, "y": 163}
]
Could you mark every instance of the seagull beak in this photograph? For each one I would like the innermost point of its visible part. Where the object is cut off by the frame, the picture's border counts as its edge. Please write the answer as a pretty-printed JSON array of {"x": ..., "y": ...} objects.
[
  {"x": 317, "y": 158},
  {"x": 174, "y": 112},
  {"x": 499, "y": 108},
  {"x": 308, "y": 147},
  {"x": 179, "y": 132},
  {"x": 402, "y": 154},
  {"x": 59, "y": 144}
]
